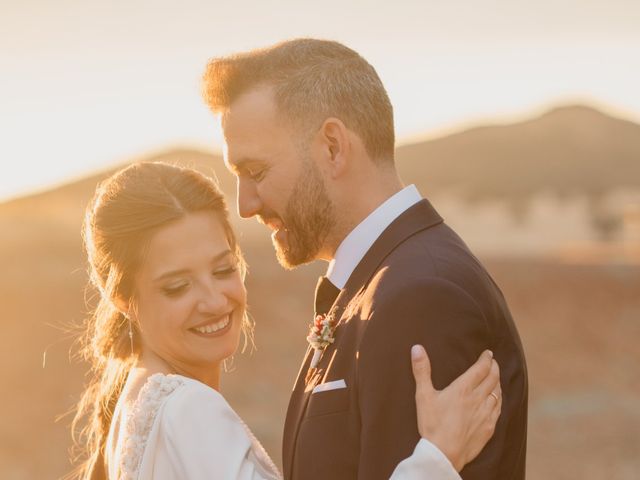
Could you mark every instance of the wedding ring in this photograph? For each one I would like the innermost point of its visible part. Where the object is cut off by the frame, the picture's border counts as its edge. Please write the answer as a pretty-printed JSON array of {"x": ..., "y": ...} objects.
[{"x": 493, "y": 394}]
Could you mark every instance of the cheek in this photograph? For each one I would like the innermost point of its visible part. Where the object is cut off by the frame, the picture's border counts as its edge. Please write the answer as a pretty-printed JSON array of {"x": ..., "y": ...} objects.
[
  {"x": 238, "y": 292},
  {"x": 163, "y": 316},
  {"x": 274, "y": 193}
]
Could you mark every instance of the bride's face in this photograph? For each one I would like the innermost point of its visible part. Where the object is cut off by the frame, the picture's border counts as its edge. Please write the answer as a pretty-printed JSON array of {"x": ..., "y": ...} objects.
[{"x": 190, "y": 297}]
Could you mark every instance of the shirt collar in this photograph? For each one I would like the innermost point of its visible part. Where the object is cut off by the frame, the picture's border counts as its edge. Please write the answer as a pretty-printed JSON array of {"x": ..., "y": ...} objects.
[{"x": 355, "y": 245}]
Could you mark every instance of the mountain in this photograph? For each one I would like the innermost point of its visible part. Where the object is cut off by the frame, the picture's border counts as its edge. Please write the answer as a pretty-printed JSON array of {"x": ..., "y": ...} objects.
[{"x": 568, "y": 150}]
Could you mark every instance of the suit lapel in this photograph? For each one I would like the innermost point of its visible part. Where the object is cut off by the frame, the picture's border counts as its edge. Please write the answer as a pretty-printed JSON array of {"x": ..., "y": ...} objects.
[
  {"x": 297, "y": 406},
  {"x": 301, "y": 394},
  {"x": 419, "y": 217}
]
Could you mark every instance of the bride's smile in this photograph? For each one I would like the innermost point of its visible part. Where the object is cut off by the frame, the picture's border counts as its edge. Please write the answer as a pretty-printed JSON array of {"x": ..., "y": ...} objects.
[{"x": 214, "y": 327}]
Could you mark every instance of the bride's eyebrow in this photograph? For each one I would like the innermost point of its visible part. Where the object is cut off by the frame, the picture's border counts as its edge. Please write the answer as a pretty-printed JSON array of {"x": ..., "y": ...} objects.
[{"x": 182, "y": 271}]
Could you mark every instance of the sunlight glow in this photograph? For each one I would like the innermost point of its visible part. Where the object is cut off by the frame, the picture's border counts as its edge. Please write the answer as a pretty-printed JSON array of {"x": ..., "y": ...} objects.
[{"x": 84, "y": 86}]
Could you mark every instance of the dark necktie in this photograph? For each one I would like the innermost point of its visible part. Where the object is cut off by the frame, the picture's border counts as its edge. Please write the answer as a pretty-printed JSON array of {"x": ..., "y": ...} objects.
[{"x": 326, "y": 294}]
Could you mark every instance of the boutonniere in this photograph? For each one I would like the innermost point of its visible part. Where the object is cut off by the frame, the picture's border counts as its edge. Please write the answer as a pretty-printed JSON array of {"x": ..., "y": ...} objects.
[{"x": 321, "y": 335}]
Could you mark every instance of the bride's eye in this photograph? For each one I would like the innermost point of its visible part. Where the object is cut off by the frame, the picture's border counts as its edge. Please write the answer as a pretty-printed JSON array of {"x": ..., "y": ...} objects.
[
  {"x": 175, "y": 289},
  {"x": 225, "y": 272}
]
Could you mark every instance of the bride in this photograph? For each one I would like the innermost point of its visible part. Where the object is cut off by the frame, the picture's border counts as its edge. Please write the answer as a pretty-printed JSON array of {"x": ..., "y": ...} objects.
[{"x": 165, "y": 260}]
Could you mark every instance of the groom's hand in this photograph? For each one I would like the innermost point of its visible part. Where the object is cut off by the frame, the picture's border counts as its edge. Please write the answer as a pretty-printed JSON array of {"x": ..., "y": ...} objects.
[{"x": 461, "y": 418}]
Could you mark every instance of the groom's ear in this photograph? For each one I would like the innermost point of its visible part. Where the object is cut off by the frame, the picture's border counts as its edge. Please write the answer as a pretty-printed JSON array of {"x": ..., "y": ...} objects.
[{"x": 336, "y": 146}]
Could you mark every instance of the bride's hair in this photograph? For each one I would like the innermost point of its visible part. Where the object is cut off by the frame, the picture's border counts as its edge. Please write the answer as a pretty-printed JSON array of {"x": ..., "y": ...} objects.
[{"x": 126, "y": 210}]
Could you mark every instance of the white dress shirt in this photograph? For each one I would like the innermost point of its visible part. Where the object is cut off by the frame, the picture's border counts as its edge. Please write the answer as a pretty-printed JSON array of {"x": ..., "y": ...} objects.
[{"x": 355, "y": 245}]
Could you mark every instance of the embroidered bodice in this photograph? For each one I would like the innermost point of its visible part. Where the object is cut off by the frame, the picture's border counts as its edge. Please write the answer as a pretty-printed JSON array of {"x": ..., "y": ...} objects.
[{"x": 180, "y": 428}]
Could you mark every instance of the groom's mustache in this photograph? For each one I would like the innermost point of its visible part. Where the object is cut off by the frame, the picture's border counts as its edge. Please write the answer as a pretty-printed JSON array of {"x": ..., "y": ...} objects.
[{"x": 270, "y": 219}]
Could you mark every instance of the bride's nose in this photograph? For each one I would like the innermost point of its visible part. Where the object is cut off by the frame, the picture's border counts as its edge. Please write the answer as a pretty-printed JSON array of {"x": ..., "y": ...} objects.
[{"x": 212, "y": 300}]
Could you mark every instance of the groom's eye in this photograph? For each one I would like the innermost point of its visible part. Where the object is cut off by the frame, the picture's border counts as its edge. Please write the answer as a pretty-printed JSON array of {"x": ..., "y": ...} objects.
[{"x": 257, "y": 175}]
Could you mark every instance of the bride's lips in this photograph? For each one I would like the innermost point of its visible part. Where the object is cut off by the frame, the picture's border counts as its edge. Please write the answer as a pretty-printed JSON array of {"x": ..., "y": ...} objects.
[{"x": 214, "y": 328}]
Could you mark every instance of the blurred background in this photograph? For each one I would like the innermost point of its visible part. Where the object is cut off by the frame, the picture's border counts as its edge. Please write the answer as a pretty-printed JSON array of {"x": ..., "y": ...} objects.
[{"x": 520, "y": 121}]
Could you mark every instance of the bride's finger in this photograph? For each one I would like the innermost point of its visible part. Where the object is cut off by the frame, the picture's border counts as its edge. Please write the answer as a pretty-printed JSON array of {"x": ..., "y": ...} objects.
[
  {"x": 495, "y": 414},
  {"x": 477, "y": 373},
  {"x": 489, "y": 412},
  {"x": 490, "y": 382},
  {"x": 494, "y": 401},
  {"x": 421, "y": 367}
]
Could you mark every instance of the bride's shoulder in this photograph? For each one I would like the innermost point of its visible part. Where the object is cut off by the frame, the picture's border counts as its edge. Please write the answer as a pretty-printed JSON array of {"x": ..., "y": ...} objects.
[
  {"x": 175, "y": 401},
  {"x": 141, "y": 401},
  {"x": 144, "y": 392},
  {"x": 188, "y": 393},
  {"x": 171, "y": 402},
  {"x": 156, "y": 389},
  {"x": 195, "y": 422},
  {"x": 191, "y": 411},
  {"x": 175, "y": 393}
]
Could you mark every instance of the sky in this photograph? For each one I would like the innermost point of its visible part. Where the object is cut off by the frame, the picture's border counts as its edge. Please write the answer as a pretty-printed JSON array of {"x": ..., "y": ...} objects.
[{"x": 88, "y": 84}]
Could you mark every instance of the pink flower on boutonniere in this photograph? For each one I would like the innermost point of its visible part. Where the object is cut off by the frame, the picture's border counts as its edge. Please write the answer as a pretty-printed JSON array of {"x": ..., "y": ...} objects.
[{"x": 321, "y": 335}]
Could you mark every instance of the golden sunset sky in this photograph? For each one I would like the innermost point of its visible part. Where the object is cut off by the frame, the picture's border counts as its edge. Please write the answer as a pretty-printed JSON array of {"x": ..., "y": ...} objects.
[{"x": 86, "y": 84}]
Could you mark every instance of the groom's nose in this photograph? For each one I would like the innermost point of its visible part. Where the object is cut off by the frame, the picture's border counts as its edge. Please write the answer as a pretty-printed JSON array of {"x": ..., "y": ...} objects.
[{"x": 249, "y": 203}]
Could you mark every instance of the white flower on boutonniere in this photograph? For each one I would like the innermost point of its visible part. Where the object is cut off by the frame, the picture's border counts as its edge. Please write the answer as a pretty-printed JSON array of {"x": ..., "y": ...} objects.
[{"x": 321, "y": 335}]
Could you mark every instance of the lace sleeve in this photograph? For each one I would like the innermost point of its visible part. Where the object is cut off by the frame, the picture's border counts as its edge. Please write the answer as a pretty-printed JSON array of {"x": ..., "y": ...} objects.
[{"x": 143, "y": 414}]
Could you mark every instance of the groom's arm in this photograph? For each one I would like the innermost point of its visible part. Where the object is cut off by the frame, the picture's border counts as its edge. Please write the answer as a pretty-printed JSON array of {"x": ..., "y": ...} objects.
[{"x": 446, "y": 320}]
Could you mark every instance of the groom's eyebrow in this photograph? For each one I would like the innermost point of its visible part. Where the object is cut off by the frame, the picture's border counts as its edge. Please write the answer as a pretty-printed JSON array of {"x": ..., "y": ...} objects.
[{"x": 243, "y": 165}]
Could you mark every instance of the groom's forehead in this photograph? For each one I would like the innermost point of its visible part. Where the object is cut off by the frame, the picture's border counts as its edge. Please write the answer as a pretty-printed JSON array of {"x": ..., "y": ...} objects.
[
  {"x": 242, "y": 145},
  {"x": 266, "y": 146},
  {"x": 253, "y": 106}
]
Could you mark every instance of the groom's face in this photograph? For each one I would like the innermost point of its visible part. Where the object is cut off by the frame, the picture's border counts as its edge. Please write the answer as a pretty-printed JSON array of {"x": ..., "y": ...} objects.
[{"x": 278, "y": 180}]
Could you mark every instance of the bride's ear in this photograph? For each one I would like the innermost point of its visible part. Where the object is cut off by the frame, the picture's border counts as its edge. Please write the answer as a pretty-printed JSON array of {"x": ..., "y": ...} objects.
[{"x": 123, "y": 306}]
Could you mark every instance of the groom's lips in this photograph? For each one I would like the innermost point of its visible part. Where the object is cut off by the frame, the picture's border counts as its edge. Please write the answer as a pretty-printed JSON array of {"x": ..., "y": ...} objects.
[
  {"x": 279, "y": 236},
  {"x": 273, "y": 223},
  {"x": 278, "y": 230}
]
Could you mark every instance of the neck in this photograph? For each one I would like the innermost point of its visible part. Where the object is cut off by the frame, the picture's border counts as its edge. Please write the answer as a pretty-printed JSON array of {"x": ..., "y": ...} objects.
[
  {"x": 154, "y": 363},
  {"x": 363, "y": 197}
]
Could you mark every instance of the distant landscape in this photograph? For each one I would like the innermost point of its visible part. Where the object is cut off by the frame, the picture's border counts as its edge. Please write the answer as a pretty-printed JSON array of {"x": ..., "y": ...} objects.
[{"x": 551, "y": 206}]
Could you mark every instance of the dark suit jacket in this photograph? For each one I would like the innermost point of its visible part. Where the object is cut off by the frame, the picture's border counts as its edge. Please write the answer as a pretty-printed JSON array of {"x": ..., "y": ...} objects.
[{"x": 418, "y": 283}]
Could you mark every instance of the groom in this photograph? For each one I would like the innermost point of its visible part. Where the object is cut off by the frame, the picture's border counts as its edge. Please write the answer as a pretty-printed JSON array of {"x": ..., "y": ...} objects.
[{"x": 309, "y": 134}]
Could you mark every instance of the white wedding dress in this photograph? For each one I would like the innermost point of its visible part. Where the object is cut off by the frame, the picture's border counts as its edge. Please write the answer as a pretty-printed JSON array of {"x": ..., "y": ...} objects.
[{"x": 181, "y": 429}]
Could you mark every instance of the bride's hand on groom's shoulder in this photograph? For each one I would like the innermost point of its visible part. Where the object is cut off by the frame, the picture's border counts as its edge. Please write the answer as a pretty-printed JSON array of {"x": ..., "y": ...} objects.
[{"x": 461, "y": 418}]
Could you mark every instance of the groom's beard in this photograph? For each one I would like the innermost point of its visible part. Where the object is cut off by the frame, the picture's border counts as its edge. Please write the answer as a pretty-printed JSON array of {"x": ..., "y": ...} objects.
[{"x": 308, "y": 217}]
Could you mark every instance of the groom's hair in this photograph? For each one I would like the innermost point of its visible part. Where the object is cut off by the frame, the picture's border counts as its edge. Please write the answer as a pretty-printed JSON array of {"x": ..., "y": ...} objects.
[{"x": 312, "y": 80}]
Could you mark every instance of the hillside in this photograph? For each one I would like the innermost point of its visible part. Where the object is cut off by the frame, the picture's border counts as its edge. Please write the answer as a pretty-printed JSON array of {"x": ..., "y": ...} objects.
[{"x": 568, "y": 150}]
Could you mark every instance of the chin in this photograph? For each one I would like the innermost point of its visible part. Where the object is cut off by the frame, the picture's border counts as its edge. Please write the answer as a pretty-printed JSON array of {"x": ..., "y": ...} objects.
[
  {"x": 223, "y": 348},
  {"x": 216, "y": 359},
  {"x": 289, "y": 262},
  {"x": 288, "y": 259}
]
